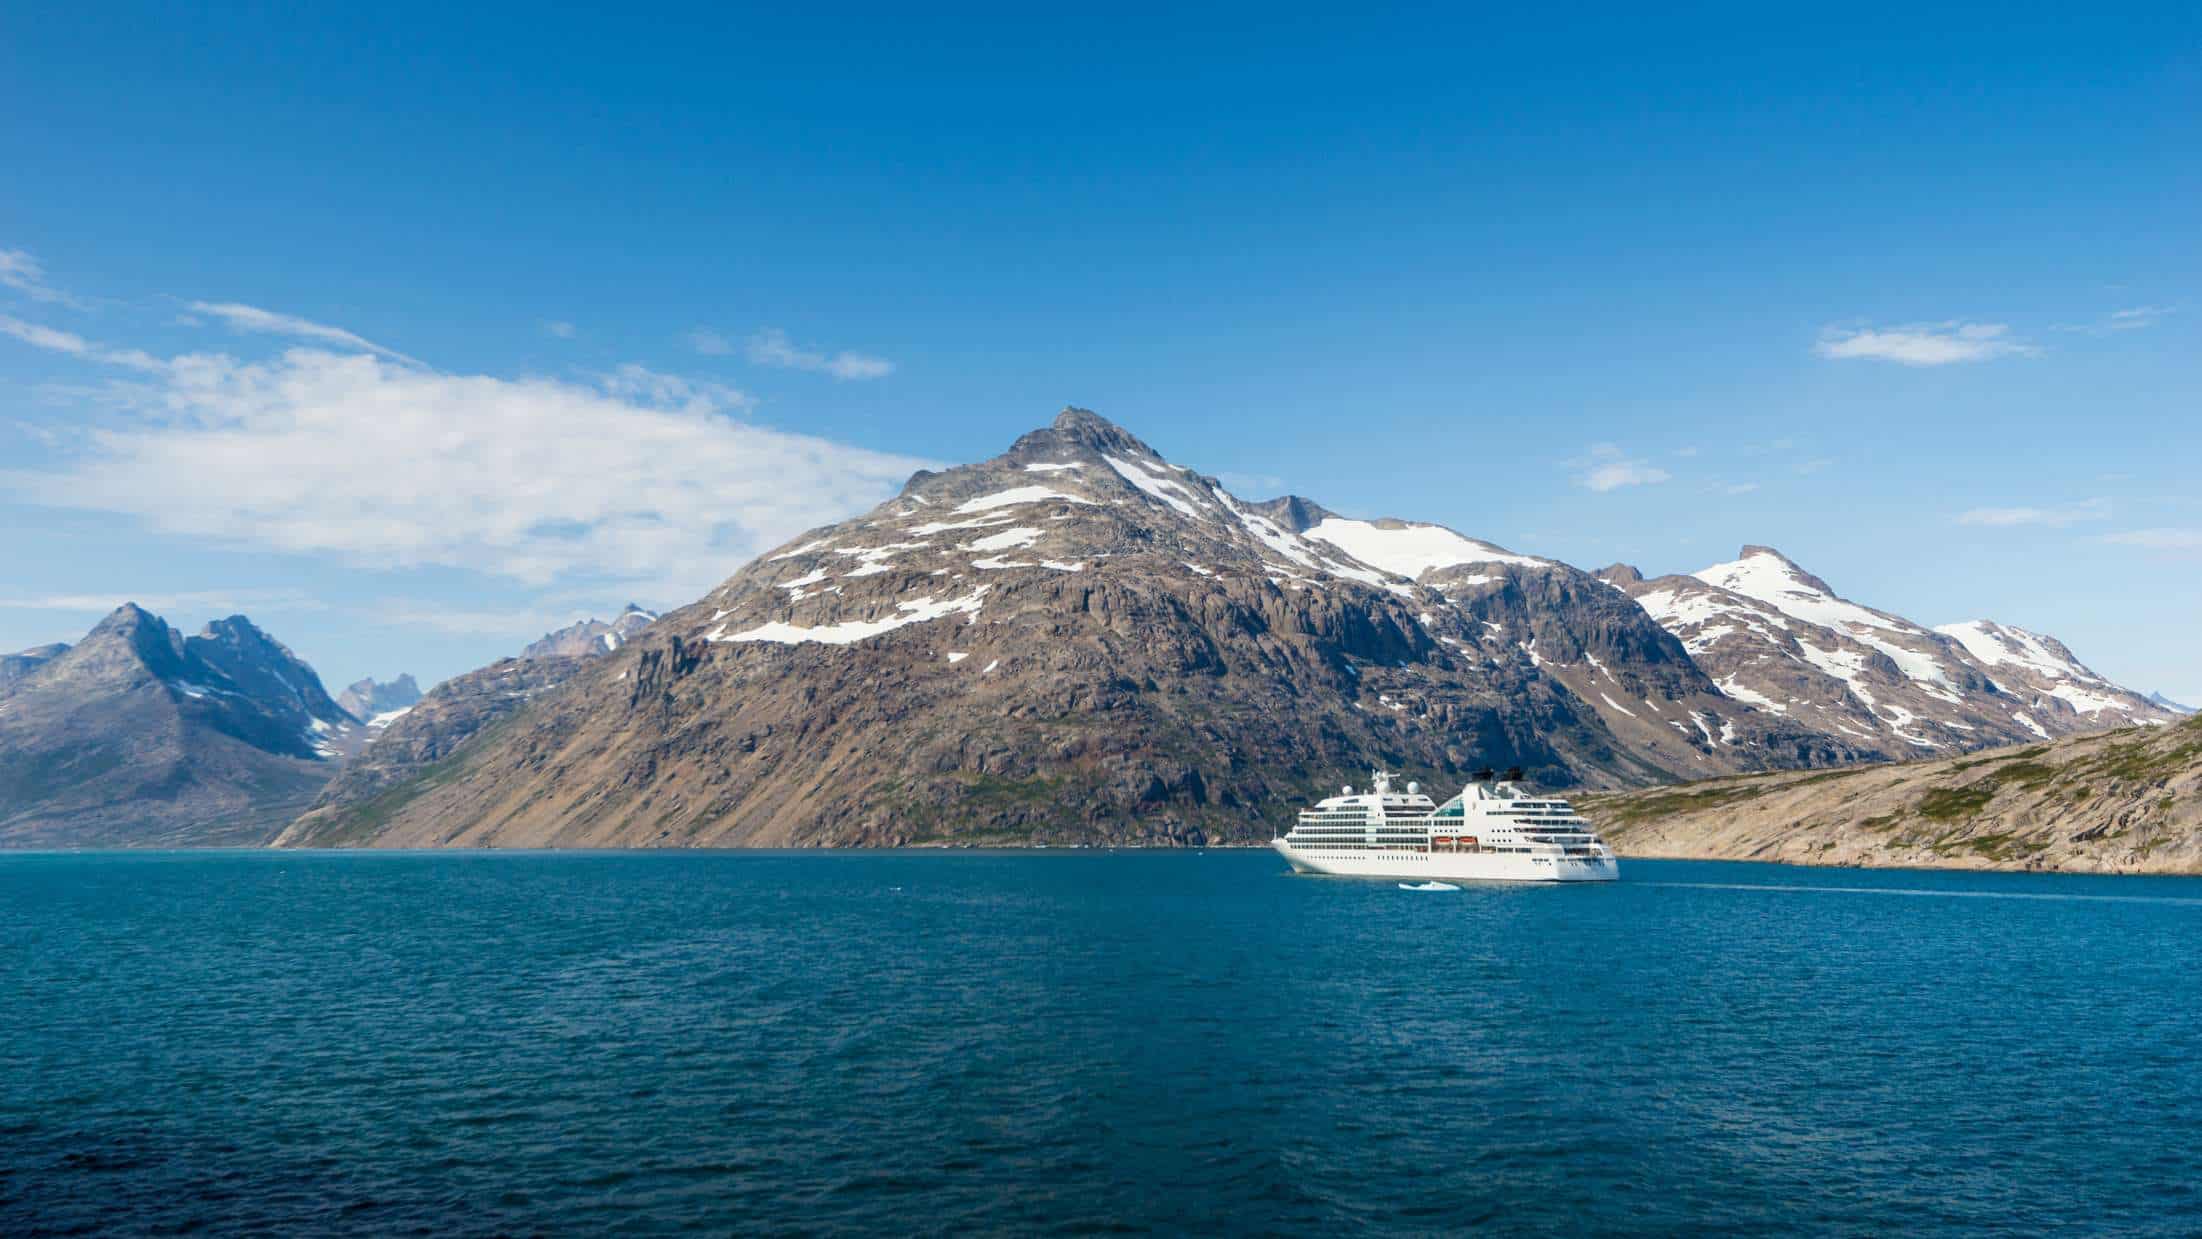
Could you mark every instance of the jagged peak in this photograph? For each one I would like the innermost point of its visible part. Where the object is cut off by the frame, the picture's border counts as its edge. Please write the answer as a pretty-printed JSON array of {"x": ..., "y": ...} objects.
[
  {"x": 128, "y": 615},
  {"x": 1075, "y": 418},
  {"x": 236, "y": 629},
  {"x": 1621, "y": 574},
  {"x": 1076, "y": 429},
  {"x": 1293, "y": 512}
]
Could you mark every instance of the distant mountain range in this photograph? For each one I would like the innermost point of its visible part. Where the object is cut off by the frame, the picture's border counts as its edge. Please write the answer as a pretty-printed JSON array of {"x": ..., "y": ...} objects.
[
  {"x": 1077, "y": 639},
  {"x": 141, "y": 736},
  {"x": 138, "y": 735},
  {"x": 1082, "y": 640},
  {"x": 591, "y": 638}
]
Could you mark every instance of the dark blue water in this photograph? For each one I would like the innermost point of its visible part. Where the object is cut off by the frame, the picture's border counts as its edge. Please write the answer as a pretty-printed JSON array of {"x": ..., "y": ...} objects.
[{"x": 933, "y": 1042}]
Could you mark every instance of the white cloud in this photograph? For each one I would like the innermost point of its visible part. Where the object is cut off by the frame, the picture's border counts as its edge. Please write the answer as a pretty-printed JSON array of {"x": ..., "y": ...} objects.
[
  {"x": 1736, "y": 488},
  {"x": 197, "y": 602},
  {"x": 1922, "y": 344},
  {"x": 771, "y": 347},
  {"x": 519, "y": 624},
  {"x": 561, "y": 329},
  {"x": 21, "y": 271},
  {"x": 2056, "y": 517},
  {"x": 38, "y": 335},
  {"x": 2159, "y": 539},
  {"x": 268, "y": 322},
  {"x": 2136, "y": 318},
  {"x": 1607, "y": 467},
  {"x": 636, "y": 477},
  {"x": 710, "y": 343}
]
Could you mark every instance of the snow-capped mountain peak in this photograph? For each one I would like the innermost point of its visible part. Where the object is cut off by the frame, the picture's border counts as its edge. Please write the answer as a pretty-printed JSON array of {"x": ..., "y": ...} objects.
[
  {"x": 2030, "y": 662},
  {"x": 1775, "y": 579}
]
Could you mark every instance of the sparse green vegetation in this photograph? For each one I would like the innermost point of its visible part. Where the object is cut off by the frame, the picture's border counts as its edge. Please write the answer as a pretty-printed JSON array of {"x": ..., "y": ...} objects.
[
  {"x": 1945, "y": 804},
  {"x": 1999, "y": 847}
]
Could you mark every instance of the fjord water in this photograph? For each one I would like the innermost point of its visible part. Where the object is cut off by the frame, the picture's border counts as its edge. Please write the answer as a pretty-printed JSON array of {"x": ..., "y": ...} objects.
[{"x": 476, "y": 1043}]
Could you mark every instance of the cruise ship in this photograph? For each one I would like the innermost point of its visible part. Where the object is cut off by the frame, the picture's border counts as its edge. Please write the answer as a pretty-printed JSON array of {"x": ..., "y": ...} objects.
[{"x": 1493, "y": 831}]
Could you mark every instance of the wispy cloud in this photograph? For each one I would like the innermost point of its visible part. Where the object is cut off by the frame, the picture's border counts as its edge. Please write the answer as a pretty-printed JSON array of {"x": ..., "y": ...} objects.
[
  {"x": 709, "y": 343},
  {"x": 2132, "y": 318},
  {"x": 1735, "y": 488},
  {"x": 198, "y": 602},
  {"x": 517, "y": 623},
  {"x": 635, "y": 476},
  {"x": 54, "y": 340},
  {"x": 771, "y": 347},
  {"x": 2055, "y": 517},
  {"x": 21, "y": 271},
  {"x": 268, "y": 322},
  {"x": 1922, "y": 344},
  {"x": 2137, "y": 317},
  {"x": 1606, "y": 467},
  {"x": 561, "y": 329},
  {"x": 2161, "y": 539}
]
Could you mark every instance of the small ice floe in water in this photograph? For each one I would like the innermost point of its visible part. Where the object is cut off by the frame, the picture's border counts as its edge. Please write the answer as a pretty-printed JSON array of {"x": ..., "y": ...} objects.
[{"x": 1427, "y": 886}]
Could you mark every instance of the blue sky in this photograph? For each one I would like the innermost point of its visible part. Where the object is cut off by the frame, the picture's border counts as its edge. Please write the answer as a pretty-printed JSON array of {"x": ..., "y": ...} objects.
[{"x": 412, "y": 332}]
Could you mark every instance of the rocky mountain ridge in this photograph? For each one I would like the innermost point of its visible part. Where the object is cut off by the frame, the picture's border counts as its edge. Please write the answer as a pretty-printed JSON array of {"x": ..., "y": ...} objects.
[
  {"x": 591, "y": 638},
  {"x": 1772, "y": 634},
  {"x": 376, "y": 703},
  {"x": 138, "y": 735},
  {"x": 1080, "y": 639}
]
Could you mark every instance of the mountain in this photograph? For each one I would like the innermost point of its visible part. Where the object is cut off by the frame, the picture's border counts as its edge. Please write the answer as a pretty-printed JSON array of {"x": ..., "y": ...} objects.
[
  {"x": 2126, "y": 801},
  {"x": 15, "y": 666},
  {"x": 1079, "y": 640},
  {"x": 375, "y": 703},
  {"x": 1775, "y": 636},
  {"x": 140, "y": 736},
  {"x": 2055, "y": 686},
  {"x": 415, "y": 739},
  {"x": 592, "y": 638},
  {"x": 2162, "y": 702}
]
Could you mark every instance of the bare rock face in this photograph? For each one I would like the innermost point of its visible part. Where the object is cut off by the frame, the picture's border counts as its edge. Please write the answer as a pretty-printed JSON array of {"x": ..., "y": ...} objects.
[
  {"x": 140, "y": 736},
  {"x": 2126, "y": 801},
  {"x": 15, "y": 666},
  {"x": 592, "y": 638},
  {"x": 416, "y": 737},
  {"x": 1078, "y": 640}
]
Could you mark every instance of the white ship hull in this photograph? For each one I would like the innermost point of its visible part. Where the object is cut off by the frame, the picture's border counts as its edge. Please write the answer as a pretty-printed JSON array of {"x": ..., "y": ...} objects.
[{"x": 1466, "y": 866}]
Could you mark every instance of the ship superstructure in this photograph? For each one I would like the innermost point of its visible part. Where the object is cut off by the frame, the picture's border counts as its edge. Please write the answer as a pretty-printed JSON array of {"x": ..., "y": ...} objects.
[{"x": 1494, "y": 830}]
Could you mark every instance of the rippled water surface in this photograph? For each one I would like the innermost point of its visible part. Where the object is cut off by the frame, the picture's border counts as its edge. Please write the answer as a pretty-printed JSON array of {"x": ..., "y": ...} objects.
[{"x": 948, "y": 1042}]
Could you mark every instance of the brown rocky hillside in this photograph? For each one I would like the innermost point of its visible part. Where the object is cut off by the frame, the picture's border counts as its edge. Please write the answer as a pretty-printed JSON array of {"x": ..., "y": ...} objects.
[{"x": 2128, "y": 801}]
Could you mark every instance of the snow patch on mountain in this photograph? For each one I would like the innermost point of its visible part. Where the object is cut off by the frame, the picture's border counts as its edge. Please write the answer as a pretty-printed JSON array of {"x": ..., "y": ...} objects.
[
  {"x": 1410, "y": 550},
  {"x": 849, "y": 632},
  {"x": 1167, "y": 490},
  {"x": 1015, "y": 495}
]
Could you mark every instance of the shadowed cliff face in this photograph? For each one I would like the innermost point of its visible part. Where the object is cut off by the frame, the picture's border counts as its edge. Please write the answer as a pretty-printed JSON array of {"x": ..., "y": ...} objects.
[
  {"x": 1076, "y": 640},
  {"x": 139, "y": 736}
]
